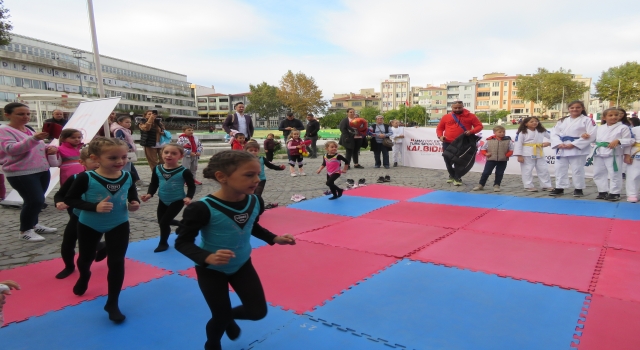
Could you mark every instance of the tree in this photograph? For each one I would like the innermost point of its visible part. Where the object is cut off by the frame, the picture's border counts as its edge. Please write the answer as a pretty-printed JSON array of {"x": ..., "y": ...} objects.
[
  {"x": 493, "y": 116},
  {"x": 5, "y": 25},
  {"x": 301, "y": 94},
  {"x": 332, "y": 120},
  {"x": 416, "y": 115},
  {"x": 369, "y": 114},
  {"x": 549, "y": 88},
  {"x": 626, "y": 77},
  {"x": 264, "y": 101}
]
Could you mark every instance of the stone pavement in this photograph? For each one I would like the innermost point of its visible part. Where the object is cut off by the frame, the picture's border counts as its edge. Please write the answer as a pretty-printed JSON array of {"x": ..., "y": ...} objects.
[{"x": 280, "y": 187}]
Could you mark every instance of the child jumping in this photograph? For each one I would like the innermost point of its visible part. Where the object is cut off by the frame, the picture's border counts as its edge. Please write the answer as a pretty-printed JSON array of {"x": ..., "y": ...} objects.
[
  {"x": 103, "y": 197},
  {"x": 226, "y": 220},
  {"x": 294, "y": 144},
  {"x": 332, "y": 160},
  {"x": 254, "y": 148},
  {"x": 169, "y": 179},
  {"x": 498, "y": 148},
  {"x": 192, "y": 151},
  {"x": 528, "y": 148}
]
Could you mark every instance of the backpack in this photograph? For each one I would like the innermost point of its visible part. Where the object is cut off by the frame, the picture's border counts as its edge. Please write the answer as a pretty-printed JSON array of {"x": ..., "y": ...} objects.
[{"x": 462, "y": 152}]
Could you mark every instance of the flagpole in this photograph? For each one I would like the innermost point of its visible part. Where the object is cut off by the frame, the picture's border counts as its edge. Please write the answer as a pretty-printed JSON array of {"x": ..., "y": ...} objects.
[{"x": 96, "y": 57}]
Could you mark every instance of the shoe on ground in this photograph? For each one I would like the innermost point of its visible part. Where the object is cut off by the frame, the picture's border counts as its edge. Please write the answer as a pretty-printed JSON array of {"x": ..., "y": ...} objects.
[
  {"x": 457, "y": 182},
  {"x": 387, "y": 178},
  {"x": 43, "y": 229},
  {"x": 358, "y": 166},
  {"x": 602, "y": 195},
  {"x": 496, "y": 188},
  {"x": 361, "y": 182},
  {"x": 30, "y": 236},
  {"x": 376, "y": 166},
  {"x": 302, "y": 173},
  {"x": 350, "y": 182},
  {"x": 556, "y": 192},
  {"x": 197, "y": 182},
  {"x": 294, "y": 174},
  {"x": 395, "y": 164},
  {"x": 632, "y": 199},
  {"x": 548, "y": 189},
  {"x": 613, "y": 197},
  {"x": 578, "y": 193},
  {"x": 531, "y": 189},
  {"x": 450, "y": 180},
  {"x": 387, "y": 167},
  {"x": 478, "y": 188},
  {"x": 380, "y": 180}
]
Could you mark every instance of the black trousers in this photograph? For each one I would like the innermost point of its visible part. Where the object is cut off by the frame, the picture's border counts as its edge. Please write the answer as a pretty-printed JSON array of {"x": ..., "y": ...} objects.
[
  {"x": 313, "y": 148},
  {"x": 260, "y": 188},
  {"x": 377, "y": 149},
  {"x": 117, "y": 242},
  {"x": 331, "y": 179},
  {"x": 488, "y": 169},
  {"x": 166, "y": 215},
  {"x": 353, "y": 152},
  {"x": 215, "y": 289},
  {"x": 269, "y": 155},
  {"x": 69, "y": 240},
  {"x": 450, "y": 169}
]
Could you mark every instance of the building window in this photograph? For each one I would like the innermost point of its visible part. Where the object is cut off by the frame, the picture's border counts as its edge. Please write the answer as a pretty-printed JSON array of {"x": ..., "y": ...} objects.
[
  {"x": 513, "y": 84},
  {"x": 467, "y": 96},
  {"x": 516, "y": 102},
  {"x": 202, "y": 100},
  {"x": 438, "y": 93},
  {"x": 506, "y": 83},
  {"x": 483, "y": 94},
  {"x": 496, "y": 84},
  {"x": 467, "y": 104},
  {"x": 504, "y": 102},
  {"x": 339, "y": 104},
  {"x": 505, "y": 92},
  {"x": 518, "y": 111},
  {"x": 537, "y": 110},
  {"x": 514, "y": 93},
  {"x": 483, "y": 103},
  {"x": 494, "y": 102},
  {"x": 495, "y": 93},
  {"x": 356, "y": 104},
  {"x": 483, "y": 85}
]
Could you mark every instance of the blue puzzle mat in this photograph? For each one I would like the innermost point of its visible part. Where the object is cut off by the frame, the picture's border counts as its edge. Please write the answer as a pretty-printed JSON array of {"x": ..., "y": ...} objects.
[
  {"x": 171, "y": 259},
  {"x": 167, "y": 313},
  {"x": 304, "y": 333},
  {"x": 628, "y": 211},
  {"x": 562, "y": 206},
  {"x": 346, "y": 205},
  {"x": 449, "y": 308},
  {"x": 463, "y": 199}
]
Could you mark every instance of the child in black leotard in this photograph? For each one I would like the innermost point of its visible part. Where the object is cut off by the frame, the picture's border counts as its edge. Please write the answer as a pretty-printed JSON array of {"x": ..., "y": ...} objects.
[
  {"x": 103, "y": 197},
  {"x": 226, "y": 219},
  {"x": 253, "y": 148},
  {"x": 170, "y": 179}
]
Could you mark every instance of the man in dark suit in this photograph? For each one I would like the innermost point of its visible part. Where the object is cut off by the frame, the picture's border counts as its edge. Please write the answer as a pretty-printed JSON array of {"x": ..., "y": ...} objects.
[{"x": 239, "y": 121}]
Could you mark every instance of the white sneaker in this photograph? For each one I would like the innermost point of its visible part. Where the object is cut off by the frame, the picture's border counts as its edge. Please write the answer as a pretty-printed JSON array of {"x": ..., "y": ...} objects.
[
  {"x": 44, "y": 229},
  {"x": 293, "y": 175},
  {"x": 30, "y": 236},
  {"x": 302, "y": 173}
]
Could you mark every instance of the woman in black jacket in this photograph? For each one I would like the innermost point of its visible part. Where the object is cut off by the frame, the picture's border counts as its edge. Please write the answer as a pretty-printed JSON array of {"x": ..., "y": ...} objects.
[{"x": 350, "y": 140}]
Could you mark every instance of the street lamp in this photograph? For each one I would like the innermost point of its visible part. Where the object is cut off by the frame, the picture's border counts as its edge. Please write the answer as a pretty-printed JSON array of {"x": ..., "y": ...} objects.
[{"x": 78, "y": 55}]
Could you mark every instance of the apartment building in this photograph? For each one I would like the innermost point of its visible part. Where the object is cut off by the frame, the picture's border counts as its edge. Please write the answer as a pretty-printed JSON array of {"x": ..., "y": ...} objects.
[
  {"x": 465, "y": 92},
  {"x": 366, "y": 98},
  {"x": 434, "y": 100},
  {"x": 394, "y": 91}
]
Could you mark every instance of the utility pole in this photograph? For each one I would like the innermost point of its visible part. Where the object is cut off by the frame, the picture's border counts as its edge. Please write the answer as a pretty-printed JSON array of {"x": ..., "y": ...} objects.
[{"x": 96, "y": 57}]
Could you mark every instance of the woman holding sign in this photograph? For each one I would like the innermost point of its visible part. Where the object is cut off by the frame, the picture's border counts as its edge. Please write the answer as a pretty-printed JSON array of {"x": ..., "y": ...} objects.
[{"x": 26, "y": 167}]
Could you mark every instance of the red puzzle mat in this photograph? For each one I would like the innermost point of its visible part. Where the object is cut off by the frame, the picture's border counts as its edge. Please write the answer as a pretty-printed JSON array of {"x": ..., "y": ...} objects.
[
  {"x": 620, "y": 276},
  {"x": 397, "y": 239},
  {"x": 625, "y": 234},
  {"x": 294, "y": 221},
  {"x": 305, "y": 275},
  {"x": 567, "y": 228},
  {"x": 41, "y": 292},
  {"x": 554, "y": 263},
  {"x": 440, "y": 215},
  {"x": 611, "y": 324},
  {"x": 388, "y": 192}
]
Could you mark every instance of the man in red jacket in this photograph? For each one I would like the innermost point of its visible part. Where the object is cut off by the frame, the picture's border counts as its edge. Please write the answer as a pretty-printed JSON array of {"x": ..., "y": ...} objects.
[{"x": 449, "y": 129}]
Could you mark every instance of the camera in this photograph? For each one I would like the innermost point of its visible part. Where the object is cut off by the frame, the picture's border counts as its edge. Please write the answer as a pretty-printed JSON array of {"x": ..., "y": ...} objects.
[{"x": 140, "y": 120}]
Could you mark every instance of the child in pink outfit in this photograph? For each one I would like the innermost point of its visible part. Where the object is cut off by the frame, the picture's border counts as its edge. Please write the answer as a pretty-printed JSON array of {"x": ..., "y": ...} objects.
[
  {"x": 68, "y": 157},
  {"x": 332, "y": 161}
]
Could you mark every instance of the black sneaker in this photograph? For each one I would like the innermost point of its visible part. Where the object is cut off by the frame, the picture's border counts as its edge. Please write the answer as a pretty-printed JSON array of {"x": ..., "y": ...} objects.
[
  {"x": 613, "y": 197},
  {"x": 602, "y": 195},
  {"x": 578, "y": 193},
  {"x": 358, "y": 166},
  {"x": 361, "y": 182},
  {"x": 387, "y": 178},
  {"x": 380, "y": 180},
  {"x": 556, "y": 192},
  {"x": 395, "y": 164},
  {"x": 350, "y": 182}
]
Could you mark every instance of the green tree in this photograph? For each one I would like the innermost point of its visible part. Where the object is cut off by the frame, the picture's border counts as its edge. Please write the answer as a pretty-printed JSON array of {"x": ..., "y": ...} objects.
[
  {"x": 264, "y": 101},
  {"x": 369, "y": 114},
  {"x": 492, "y": 116},
  {"x": 5, "y": 25},
  {"x": 626, "y": 77},
  {"x": 416, "y": 115},
  {"x": 549, "y": 88},
  {"x": 331, "y": 120},
  {"x": 301, "y": 94}
]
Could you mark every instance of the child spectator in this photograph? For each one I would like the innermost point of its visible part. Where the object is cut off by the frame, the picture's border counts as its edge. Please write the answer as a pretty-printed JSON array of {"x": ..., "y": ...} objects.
[
  {"x": 294, "y": 145},
  {"x": 269, "y": 147},
  {"x": 529, "y": 150},
  {"x": 68, "y": 156},
  {"x": 238, "y": 141},
  {"x": 498, "y": 148},
  {"x": 332, "y": 161},
  {"x": 192, "y": 151},
  {"x": 121, "y": 129}
]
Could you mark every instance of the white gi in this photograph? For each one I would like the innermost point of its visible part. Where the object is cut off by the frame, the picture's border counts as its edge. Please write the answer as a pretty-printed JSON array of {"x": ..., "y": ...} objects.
[
  {"x": 575, "y": 157},
  {"x": 529, "y": 146},
  {"x": 397, "y": 144},
  {"x": 633, "y": 169},
  {"x": 604, "y": 175}
]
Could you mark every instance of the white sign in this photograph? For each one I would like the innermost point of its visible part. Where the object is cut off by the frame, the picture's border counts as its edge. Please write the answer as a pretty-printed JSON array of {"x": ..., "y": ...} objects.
[
  {"x": 89, "y": 117},
  {"x": 422, "y": 149}
]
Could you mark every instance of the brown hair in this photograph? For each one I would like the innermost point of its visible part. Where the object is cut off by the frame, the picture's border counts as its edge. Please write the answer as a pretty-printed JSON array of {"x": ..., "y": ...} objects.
[
  {"x": 184, "y": 128},
  {"x": 84, "y": 154},
  {"x": 226, "y": 162},
  {"x": 66, "y": 133},
  {"x": 326, "y": 144},
  {"x": 179, "y": 147},
  {"x": 522, "y": 129},
  {"x": 9, "y": 107},
  {"x": 99, "y": 144},
  {"x": 499, "y": 127},
  {"x": 251, "y": 144},
  {"x": 578, "y": 102}
]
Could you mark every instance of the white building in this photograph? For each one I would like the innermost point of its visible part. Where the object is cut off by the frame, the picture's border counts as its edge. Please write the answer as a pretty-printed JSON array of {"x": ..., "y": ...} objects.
[
  {"x": 395, "y": 91},
  {"x": 32, "y": 66}
]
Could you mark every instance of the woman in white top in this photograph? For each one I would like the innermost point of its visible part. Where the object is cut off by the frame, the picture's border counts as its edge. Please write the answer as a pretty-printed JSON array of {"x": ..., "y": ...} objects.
[
  {"x": 397, "y": 137},
  {"x": 571, "y": 138}
]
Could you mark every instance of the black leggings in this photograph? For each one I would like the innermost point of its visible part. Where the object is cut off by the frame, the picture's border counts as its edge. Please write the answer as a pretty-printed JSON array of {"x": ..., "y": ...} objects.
[
  {"x": 260, "y": 188},
  {"x": 269, "y": 155},
  {"x": 117, "y": 241},
  {"x": 69, "y": 239},
  {"x": 215, "y": 289},
  {"x": 166, "y": 215},
  {"x": 331, "y": 179}
]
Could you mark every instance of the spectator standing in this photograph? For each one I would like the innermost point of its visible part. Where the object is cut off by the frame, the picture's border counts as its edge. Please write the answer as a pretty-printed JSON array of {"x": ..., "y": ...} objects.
[
  {"x": 350, "y": 139},
  {"x": 289, "y": 124},
  {"x": 313, "y": 126},
  {"x": 150, "y": 129},
  {"x": 239, "y": 122}
]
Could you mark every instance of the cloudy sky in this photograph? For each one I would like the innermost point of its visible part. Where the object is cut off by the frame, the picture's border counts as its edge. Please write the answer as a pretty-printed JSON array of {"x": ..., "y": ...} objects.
[{"x": 344, "y": 44}]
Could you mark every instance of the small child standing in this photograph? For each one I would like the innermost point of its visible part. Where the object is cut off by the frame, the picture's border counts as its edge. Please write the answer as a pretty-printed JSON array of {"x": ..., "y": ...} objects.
[
  {"x": 254, "y": 148},
  {"x": 633, "y": 166},
  {"x": 269, "y": 147},
  {"x": 121, "y": 129},
  {"x": 498, "y": 148},
  {"x": 68, "y": 157},
  {"x": 169, "y": 179},
  {"x": 529, "y": 150},
  {"x": 192, "y": 151},
  {"x": 397, "y": 137},
  {"x": 226, "y": 220},
  {"x": 238, "y": 141},
  {"x": 332, "y": 161},
  {"x": 294, "y": 144}
]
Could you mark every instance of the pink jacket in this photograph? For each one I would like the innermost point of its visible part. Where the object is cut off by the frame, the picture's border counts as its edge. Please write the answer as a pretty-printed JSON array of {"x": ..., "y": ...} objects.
[
  {"x": 21, "y": 153},
  {"x": 70, "y": 161},
  {"x": 114, "y": 127}
]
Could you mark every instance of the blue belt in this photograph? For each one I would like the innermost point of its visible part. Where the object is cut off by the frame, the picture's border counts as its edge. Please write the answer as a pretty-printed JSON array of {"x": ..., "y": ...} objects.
[{"x": 563, "y": 139}]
